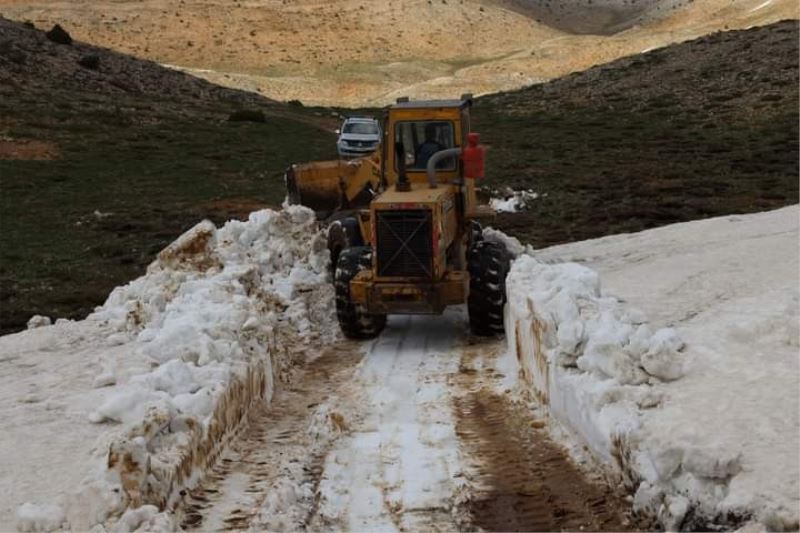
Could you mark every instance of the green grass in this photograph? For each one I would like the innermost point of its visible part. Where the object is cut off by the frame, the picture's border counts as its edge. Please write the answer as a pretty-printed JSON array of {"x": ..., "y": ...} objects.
[
  {"x": 156, "y": 173},
  {"x": 671, "y": 136}
]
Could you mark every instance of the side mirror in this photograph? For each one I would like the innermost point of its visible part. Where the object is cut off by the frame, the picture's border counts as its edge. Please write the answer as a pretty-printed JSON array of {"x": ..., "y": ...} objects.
[{"x": 337, "y": 132}]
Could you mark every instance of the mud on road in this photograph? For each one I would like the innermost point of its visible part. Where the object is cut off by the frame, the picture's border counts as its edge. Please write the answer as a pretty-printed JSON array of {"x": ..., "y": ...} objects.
[
  {"x": 403, "y": 433},
  {"x": 522, "y": 480}
]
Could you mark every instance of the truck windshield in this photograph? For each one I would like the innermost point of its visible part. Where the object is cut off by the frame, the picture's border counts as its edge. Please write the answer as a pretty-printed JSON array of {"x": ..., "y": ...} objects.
[
  {"x": 361, "y": 128},
  {"x": 422, "y": 139}
]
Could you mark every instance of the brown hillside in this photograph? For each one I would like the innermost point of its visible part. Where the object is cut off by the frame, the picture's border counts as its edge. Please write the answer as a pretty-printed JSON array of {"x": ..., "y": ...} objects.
[{"x": 356, "y": 52}]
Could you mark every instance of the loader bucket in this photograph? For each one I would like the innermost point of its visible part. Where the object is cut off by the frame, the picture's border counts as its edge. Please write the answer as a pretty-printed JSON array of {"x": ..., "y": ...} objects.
[
  {"x": 315, "y": 185},
  {"x": 327, "y": 186}
]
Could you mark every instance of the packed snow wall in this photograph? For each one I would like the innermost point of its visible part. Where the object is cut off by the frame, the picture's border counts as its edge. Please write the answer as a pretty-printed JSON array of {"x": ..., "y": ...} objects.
[
  {"x": 216, "y": 322},
  {"x": 700, "y": 423},
  {"x": 592, "y": 364},
  {"x": 585, "y": 357}
]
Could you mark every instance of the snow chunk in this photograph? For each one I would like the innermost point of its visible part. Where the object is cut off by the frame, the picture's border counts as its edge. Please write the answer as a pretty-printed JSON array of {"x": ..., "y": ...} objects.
[
  {"x": 579, "y": 327},
  {"x": 512, "y": 201},
  {"x": 173, "y": 377},
  {"x": 33, "y": 517},
  {"x": 144, "y": 518},
  {"x": 512, "y": 244},
  {"x": 38, "y": 321},
  {"x": 199, "y": 404},
  {"x": 129, "y": 406},
  {"x": 663, "y": 359}
]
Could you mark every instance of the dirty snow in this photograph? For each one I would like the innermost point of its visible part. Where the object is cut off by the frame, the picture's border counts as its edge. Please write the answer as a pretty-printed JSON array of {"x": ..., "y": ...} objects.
[
  {"x": 510, "y": 243},
  {"x": 511, "y": 201},
  {"x": 681, "y": 371},
  {"x": 162, "y": 350},
  {"x": 398, "y": 468}
]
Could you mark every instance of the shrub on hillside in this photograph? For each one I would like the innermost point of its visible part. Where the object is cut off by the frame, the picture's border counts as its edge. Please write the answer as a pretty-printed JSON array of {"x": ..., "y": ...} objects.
[
  {"x": 59, "y": 35},
  {"x": 247, "y": 115}
]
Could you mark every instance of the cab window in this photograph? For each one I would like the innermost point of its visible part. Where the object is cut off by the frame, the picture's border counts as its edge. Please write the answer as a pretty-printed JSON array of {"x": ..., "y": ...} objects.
[{"x": 421, "y": 139}]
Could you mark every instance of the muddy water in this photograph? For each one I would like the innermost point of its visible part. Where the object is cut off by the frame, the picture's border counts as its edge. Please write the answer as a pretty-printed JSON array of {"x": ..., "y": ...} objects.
[{"x": 523, "y": 480}]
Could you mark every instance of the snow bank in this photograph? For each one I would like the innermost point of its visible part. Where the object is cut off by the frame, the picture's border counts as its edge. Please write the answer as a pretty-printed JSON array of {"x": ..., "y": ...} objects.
[
  {"x": 185, "y": 350},
  {"x": 511, "y": 201},
  {"x": 584, "y": 354},
  {"x": 698, "y": 415}
]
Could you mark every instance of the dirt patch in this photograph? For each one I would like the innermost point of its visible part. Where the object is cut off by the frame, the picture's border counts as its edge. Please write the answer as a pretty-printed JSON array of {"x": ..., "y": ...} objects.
[
  {"x": 27, "y": 150},
  {"x": 531, "y": 483},
  {"x": 521, "y": 479}
]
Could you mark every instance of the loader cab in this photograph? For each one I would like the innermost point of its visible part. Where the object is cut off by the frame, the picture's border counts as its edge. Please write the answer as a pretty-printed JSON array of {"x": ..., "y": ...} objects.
[{"x": 420, "y": 129}]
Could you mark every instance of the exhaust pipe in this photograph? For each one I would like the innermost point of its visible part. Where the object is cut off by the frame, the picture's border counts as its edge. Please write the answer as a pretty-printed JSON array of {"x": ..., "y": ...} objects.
[
  {"x": 434, "y": 160},
  {"x": 403, "y": 185}
]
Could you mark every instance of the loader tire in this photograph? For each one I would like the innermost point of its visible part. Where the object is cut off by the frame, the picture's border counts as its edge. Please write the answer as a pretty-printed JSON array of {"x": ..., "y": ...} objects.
[
  {"x": 475, "y": 232},
  {"x": 489, "y": 263},
  {"x": 354, "y": 320},
  {"x": 342, "y": 234}
]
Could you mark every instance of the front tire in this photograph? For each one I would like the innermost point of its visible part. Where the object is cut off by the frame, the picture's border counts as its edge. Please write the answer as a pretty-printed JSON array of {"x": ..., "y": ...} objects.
[
  {"x": 488, "y": 263},
  {"x": 342, "y": 234},
  {"x": 354, "y": 320}
]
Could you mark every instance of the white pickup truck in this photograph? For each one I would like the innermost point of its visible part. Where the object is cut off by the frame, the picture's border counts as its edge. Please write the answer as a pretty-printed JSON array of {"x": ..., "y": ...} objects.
[{"x": 358, "y": 136}]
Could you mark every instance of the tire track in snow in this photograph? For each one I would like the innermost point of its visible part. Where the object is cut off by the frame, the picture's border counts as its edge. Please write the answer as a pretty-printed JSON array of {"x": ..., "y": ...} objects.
[
  {"x": 398, "y": 469},
  {"x": 276, "y": 462},
  {"x": 424, "y": 443}
]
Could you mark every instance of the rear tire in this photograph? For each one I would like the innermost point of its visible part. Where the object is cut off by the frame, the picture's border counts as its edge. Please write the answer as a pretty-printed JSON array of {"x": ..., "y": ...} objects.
[
  {"x": 354, "y": 320},
  {"x": 489, "y": 263}
]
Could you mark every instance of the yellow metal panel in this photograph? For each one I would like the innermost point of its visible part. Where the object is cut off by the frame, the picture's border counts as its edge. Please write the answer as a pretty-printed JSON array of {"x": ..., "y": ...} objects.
[
  {"x": 419, "y": 193},
  {"x": 425, "y": 113},
  {"x": 410, "y": 297}
]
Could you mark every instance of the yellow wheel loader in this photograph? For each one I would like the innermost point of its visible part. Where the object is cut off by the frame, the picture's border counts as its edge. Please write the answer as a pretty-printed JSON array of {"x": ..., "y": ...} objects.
[{"x": 405, "y": 236}]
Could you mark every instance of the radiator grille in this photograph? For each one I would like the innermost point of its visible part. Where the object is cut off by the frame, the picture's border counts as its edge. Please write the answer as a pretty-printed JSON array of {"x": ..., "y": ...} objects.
[{"x": 405, "y": 246}]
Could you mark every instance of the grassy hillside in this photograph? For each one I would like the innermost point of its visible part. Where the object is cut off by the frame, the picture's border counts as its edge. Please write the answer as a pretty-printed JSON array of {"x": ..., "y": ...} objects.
[
  {"x": 700, "y": 129},
  {"x": 100, "y": 168},
  {"x": 104, "y": 162}
]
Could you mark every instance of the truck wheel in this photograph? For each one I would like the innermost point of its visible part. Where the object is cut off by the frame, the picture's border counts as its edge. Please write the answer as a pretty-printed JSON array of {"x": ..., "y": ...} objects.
[
  {"x": 489, "y": 263},
  {"x": 342, "y": 234},
  {"x": 355, "y": 321}
]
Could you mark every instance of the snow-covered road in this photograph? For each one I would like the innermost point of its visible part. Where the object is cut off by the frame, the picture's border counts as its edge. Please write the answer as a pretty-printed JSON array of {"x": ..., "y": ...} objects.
[
  {"x": 398, "y": 442},
  {"x": 220, "y": 381},
  {"x": 399, "y": 467}
]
